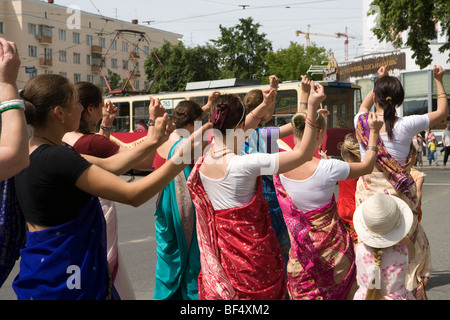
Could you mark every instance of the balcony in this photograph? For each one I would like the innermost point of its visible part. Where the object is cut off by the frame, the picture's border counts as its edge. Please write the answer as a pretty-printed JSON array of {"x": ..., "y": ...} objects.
[
  {"x": 96, "y": 49},
  {"x": 134, "y": 55},
  {"x": 45, "y": 40},
  {"x": 95, "y": 68},
  {"x": 46, "y": 63}
]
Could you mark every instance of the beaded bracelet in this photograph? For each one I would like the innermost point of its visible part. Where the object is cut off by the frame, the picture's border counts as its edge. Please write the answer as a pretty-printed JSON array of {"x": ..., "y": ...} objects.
[
  {"x": 106, "y": 128},
  {"x": 151, "y": 122},
  {"x": 12, "y": 104}
]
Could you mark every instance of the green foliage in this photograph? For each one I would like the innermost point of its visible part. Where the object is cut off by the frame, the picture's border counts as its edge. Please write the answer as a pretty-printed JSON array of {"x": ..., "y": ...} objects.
[
  {"x": 243, "y": 50},
  {"x": 420, "y": 17},
  {"x": 293, "y": 62},
  {"x": 181, "y": 65}
]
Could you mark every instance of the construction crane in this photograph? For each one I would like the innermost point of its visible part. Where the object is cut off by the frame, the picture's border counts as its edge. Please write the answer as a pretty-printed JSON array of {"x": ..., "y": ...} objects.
[{"x": 336, "y": 35}]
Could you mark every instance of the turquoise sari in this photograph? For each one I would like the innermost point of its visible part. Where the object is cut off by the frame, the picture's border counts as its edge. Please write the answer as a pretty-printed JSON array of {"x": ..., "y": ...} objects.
[{"x": 178, "y": 255}]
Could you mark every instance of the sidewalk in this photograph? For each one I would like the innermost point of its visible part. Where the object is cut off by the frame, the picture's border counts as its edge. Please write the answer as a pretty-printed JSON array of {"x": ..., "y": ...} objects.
[{"x": 440, "y": 158}]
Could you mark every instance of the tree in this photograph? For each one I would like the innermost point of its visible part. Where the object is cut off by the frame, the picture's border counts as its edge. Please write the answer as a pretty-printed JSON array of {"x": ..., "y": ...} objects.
[
  {"x": 243, "y": 50},
  {"x": 419, "y": 17},
  {"x": 293, "y": 62},
  {"x": 181, "y": 65}
]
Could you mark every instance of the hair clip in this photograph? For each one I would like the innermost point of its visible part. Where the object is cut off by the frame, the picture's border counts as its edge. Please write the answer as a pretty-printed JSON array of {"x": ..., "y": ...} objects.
[{"x": 388, "y": 98}]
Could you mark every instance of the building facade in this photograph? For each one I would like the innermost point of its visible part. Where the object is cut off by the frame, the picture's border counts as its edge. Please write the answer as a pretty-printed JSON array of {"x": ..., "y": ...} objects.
[
  {"x": 79, "y": 45},
  {"x": 419, "y": 85}
]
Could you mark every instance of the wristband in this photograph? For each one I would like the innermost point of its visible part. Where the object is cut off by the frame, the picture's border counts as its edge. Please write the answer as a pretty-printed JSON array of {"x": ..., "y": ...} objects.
[
  {"x": 18, "y": 103},
  {"x": 373, "y": 148},
  {"x": 9, "y": 108},
  {"x": 151, "y": 122},
  {"x": 305, "y": 103},
  {"x": 106, "y": 128}
]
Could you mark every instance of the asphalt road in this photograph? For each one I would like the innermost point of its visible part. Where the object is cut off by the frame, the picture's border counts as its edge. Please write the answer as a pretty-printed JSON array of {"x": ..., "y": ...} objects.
[{"x": 137, "y": 239}]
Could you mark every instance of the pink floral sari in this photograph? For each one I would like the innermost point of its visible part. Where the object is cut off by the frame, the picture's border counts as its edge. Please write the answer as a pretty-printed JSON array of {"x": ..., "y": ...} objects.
[
  {"x": 322, "y": 260},
  {"x": 239, "y": 252}
]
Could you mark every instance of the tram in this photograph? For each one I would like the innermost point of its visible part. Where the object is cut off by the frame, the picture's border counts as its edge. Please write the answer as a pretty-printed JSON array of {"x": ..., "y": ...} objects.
[{"x": 343, "y": 101}]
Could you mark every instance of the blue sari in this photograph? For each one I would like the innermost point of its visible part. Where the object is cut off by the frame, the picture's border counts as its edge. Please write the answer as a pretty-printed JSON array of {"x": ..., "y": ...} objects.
[
  {"x": 67, "y": 262},
  {"x": 178, "y": 254},
  {"x": 12, "y": 229},
  {"x": 264, "y": 140}
]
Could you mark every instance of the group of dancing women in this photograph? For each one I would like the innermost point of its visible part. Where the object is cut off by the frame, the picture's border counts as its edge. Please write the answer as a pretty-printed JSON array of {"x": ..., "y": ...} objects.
[{"x": 243, "y": 220}]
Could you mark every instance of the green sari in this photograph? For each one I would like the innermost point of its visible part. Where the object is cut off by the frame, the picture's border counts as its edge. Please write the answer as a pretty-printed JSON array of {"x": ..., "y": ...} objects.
[{"x": 178, "y": 255}]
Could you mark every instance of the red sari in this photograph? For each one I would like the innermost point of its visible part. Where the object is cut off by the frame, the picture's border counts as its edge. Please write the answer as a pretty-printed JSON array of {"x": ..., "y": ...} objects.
[{"x": 239, "y": 252}]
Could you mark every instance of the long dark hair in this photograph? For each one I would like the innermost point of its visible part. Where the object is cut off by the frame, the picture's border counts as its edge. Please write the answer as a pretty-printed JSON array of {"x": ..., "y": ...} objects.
[
  {"x": 89, "y": 95},
  {"x": 389, "y": 94}
]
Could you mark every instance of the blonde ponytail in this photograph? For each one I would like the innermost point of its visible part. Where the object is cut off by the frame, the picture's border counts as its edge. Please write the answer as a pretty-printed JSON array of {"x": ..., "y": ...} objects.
[{"x": 375, "y": 293}]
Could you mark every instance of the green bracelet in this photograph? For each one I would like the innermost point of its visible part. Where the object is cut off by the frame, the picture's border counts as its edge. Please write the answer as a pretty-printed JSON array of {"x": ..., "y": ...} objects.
[{"x": 9, "y": 108}]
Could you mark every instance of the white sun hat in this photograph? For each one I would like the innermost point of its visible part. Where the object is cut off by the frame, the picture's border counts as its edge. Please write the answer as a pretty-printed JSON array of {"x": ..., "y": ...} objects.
[{"x": 382, "y": 220}]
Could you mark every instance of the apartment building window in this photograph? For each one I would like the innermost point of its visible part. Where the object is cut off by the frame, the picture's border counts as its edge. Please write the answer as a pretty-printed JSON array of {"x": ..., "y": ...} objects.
[
  {"x": 32, "y": 51},
  {"x": 76, "y": 58},
  {"x": 62, "y": 56},
  {"x": 88, "y": 60},
  {"x": 45, "y": 30},
  {"x": 76, "y": 77},
  {"x": 32, "y": 29},
  {"x": 63, "y": 74},
  {"x": 48, "y": 72},
  {"x": 147, "y": 50},
  {"x": 76, "y": 37},
  {"x": 102, "y": 42},
  {"x": 62, "y": 35},
  {"x": 125, "y": 64},
  {"x": 114, "y": 63},
  {"x": 2, "y": 27},
  {"x": 90, "y": 78},
  {"x": 89, "y": 40},
  {"x": 114, "y": 44},
  {"x": 48, "y": 54},
  {"x": 124, "y": 46}
]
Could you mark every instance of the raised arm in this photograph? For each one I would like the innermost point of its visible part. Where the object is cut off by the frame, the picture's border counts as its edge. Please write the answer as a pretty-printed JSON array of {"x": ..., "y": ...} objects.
[
  {"x": 441, "y": 112},
  {"x": 121, "y": 162},
  {"x": 358, "y": 169},
  {"x": 101, "y": 183},
  {"x": 304, "y": 150},
  {"x": 14, "y": 135},
  {"x": 109, "y": 113},
  {"x": 261, "y": 112}
]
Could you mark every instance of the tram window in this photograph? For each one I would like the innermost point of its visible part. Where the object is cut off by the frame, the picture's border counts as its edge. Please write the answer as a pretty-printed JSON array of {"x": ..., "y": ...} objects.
[
  {"x": 122, "y": 121},
  {"x": 201, "y": 100},
  {"x": 140, "y": 112},
  {"x": 287, "y": 102},
  {"x": 340, "y": 103}
]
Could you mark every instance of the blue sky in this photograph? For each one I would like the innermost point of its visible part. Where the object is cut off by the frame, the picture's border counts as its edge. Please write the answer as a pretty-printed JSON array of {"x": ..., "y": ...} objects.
[{"x": 198, "y": 20}]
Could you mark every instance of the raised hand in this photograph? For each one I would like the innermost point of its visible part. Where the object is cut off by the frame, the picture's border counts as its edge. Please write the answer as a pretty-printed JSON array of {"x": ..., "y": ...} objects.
[
  {"x": 316, "y": 96},
  {"x": 383, "y": 71},
  {"x": 274, "y": 81},
  {"x": 438, "y": 73},
  {"x": 374, "y": 122},
  {"x": 306, "y": 84}
]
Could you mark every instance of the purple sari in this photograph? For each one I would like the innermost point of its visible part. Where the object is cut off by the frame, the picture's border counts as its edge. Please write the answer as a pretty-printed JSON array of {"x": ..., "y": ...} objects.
[{"x": 321, "y": 260}]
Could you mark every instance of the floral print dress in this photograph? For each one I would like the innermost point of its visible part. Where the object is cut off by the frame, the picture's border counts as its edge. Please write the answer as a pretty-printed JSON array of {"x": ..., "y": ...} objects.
[{"x": 393, "y": 269}]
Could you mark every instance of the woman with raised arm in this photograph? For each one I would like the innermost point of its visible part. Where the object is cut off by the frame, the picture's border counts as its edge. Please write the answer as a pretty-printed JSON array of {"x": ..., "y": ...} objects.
[
  {"x": 321, "y": 260},
  {"x": 65, "y": 254},
  {"x": 391, "y": 174},
  {"x": 14, "y": 134},
  {"x": 13, "y": 158},
  {"x": 86, "y": 141},
  {"x": 239, "y": 252}
]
